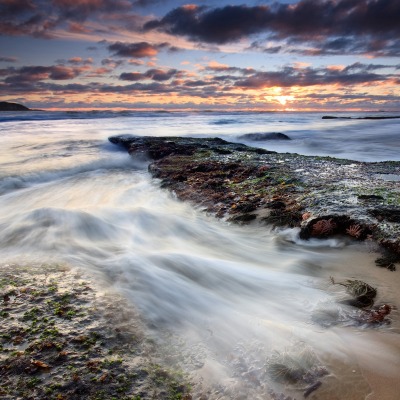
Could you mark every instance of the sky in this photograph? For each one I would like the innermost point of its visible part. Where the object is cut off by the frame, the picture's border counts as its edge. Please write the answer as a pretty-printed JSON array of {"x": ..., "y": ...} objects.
[{"x": 293, "y": 55}]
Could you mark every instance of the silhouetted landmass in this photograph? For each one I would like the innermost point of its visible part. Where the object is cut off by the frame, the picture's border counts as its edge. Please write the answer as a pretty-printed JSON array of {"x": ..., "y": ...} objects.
[
  {"x": 6, "y": 106},
  {"x": 368, "y": 117}
]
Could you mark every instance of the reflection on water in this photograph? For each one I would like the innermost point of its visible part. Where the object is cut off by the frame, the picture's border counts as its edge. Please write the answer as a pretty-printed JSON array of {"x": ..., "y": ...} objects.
[{"x": 229, "y": 303}]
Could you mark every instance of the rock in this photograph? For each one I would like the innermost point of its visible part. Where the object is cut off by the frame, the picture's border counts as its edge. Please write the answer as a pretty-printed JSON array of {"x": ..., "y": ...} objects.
[
  {"x": 259, "y": 137},
  {"x": 5, "y": 106},
  {"x": 249, "y": 185},
  {"x": 373, "y": 117},
  {"x": 391, "y": 214},
  {"x": 370, "y": 197}
]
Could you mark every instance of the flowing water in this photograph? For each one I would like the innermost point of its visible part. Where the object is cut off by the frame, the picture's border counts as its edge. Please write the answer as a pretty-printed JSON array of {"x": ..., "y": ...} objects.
[{"x": 226, "y": 300}]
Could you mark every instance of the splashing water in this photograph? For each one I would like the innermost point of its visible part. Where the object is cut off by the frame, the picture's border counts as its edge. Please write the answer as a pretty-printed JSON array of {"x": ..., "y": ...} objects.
[{"x": 224, "y": 300}]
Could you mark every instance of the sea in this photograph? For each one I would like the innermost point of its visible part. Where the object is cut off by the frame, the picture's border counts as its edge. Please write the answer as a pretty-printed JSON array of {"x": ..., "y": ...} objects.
[{"x": 229, "y": 301}]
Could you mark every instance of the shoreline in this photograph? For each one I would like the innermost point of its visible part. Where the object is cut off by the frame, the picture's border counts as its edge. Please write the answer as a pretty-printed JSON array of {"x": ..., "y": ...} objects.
[
  {"x": 323, "y": 196},
  {"x": 64, "y": 338}
]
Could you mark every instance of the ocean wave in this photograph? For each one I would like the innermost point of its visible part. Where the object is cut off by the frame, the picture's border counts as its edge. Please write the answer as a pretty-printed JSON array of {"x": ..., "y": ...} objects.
[
  {"x": 71, "y": 115},
  {"x": 119, "y": 161}
]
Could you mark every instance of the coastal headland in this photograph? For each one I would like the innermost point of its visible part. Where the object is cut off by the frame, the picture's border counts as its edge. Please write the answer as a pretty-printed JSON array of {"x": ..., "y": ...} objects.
[
  {"x": 6, "y": 106},
  {"x": 322, "y": 196}
]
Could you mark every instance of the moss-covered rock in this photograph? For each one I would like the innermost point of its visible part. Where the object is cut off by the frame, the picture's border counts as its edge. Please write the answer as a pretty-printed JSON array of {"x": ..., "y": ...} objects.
[{"x": 322, "y": 195}]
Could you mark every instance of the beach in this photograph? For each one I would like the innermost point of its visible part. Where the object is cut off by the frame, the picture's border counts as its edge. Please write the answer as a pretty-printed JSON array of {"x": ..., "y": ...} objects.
[{"x": 222, "y": 303}]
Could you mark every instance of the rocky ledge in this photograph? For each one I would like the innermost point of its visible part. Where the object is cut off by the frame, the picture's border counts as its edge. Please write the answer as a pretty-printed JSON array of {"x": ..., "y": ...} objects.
[{"x": 323, "y": 196}]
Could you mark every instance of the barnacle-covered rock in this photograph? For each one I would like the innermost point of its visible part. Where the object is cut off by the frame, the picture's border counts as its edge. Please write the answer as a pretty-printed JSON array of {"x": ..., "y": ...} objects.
[{"x": 362, "y": 293}]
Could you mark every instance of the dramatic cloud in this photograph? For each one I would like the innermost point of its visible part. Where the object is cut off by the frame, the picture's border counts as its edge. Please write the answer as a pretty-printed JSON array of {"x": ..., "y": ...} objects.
[
  {"x": 220, "y": 25},
  {"x": 356, "y": 74},
  {"x": 376, "y": 21},
  {"x": 215, "y": 80},
  {"x": 39, "y": 18}
]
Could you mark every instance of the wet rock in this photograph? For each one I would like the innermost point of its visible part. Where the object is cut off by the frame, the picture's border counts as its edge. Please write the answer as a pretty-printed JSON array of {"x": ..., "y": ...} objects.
[
  {"x": 243, "y": 218},
  {"x": 294, "y": 367},
  {"x": 260, "y": 137},
  {"x": 373, "y": 117},
  {"x": 238, "y": 182},
  {"x": 390, "y": 214},
  {"x": 370, "y": 197},
  {"x": 388, "y": 261},
  {"x": 362, "y": 293},
  {"x": 281, "y": 218},
  {"x": 276, "y": 204},
  {"x": 332, "y": 315}
]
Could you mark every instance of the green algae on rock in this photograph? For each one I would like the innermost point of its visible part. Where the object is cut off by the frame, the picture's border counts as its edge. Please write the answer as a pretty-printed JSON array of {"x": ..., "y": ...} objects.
[
  {"x": 60, "y": 338},
  {"x": 323, "y": 196}
]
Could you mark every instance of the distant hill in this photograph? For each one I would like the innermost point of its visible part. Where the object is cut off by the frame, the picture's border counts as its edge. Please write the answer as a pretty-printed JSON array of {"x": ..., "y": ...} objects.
[{"x": 5, "y": 106}]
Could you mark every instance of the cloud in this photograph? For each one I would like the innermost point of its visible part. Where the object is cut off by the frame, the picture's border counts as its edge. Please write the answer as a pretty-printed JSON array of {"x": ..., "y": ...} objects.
[
  {"x": 132, "y": 76},
  {"x": 37, "y": 26},
  {"x": 219, "y": 25},
  {"x": 136, "y": 62},
  {"x": 80, "y": 61},
  {"x": 136, "y": 50},
  {"x": 8, "y": 59},
  {"x": 153, "y": 74},
  {"x": 109, "y": 62},
  {"x": 377, "y": 47},
  {"x": 143, "y": 88},
  {"x": 80, "y": 10},
  {"x": 32, "y": 74},
  {"x": 40, "y": 18},
  {"x": 308, "y": 27},
  {"x": 97, "y": 72},
  {"x": 16, "y": 7},
  {"x": 218, "y": 67},
  {"x": 76, "y": 27},
  {"x": 259, "y": 46},
  {"x": 375, "y": 21},
  {"x": 220, "y": 83},
  {"x": 146, "y": 3},
  {"x": 356, "y": 74},
  {"x": 80, "y": 64}
]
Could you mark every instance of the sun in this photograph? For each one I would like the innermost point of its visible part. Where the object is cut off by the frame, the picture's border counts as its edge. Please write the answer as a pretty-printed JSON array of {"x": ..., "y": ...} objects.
[
  {"x": 277, "y": 96},
  {"x": 284, "y": 99}
]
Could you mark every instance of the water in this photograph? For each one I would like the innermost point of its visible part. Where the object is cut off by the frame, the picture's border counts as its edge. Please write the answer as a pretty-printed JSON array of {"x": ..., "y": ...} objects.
[{"x": 224, "y": 299}]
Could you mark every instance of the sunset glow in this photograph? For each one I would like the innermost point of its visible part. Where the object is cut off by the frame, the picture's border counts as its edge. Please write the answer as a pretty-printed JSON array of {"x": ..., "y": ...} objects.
[{"x": 102, "y": 54}]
